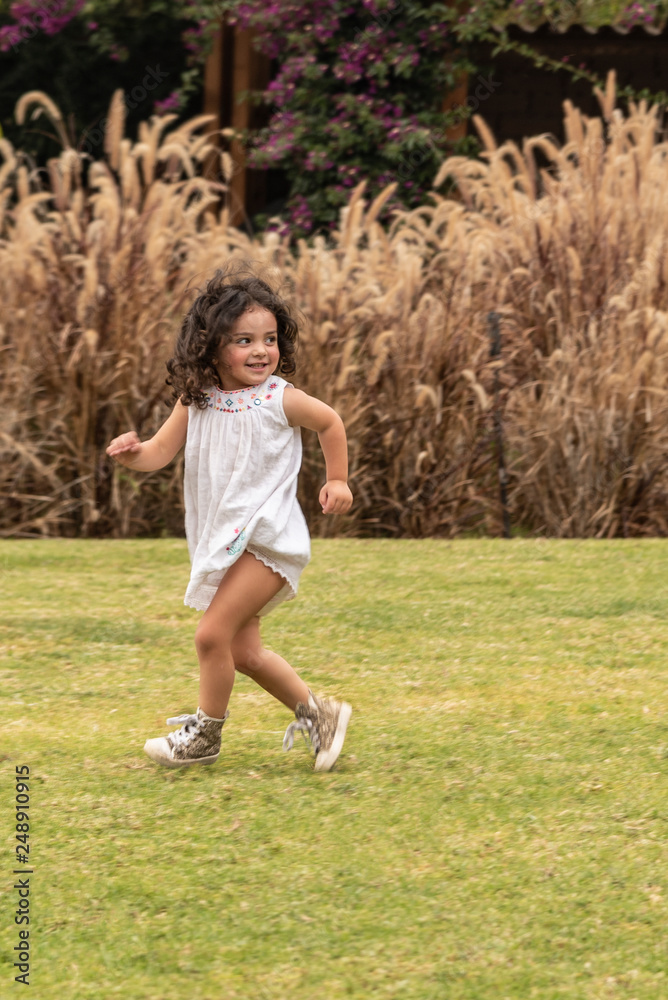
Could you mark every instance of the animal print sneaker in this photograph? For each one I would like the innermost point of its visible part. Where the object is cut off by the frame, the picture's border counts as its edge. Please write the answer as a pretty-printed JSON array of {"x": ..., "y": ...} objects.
[
  {"x": 324, "y": 721},
  {"x": 196, "y": 742}
]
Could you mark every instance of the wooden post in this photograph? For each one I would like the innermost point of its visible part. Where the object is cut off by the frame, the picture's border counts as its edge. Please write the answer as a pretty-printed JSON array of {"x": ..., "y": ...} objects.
[
  {"x": 213, "y": 76},
  {"x": 456, "y": 98},
  {"x": 213, "y": 79},
  {"x": 239, "y": 120},
  {"x": 233, "y": 67}
]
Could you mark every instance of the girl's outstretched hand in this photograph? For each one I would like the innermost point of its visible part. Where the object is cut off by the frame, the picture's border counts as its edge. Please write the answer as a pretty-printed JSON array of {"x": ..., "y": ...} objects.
[
  {"x": 335, "y": 497},
  {"x": 124, "y": 447}
]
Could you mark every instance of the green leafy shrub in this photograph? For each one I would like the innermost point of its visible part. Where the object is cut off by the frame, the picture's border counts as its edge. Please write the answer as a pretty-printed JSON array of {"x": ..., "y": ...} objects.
[{"x": 357, "y": 95}]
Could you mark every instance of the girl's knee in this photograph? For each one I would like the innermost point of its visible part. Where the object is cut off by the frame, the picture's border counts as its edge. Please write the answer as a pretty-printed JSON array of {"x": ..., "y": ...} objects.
[
  {"x": 208, "y": 639},
  {"x": 247, "y": 657},
  {"x": 248, "y": 662},
  {"x": 247, "y": 649}
]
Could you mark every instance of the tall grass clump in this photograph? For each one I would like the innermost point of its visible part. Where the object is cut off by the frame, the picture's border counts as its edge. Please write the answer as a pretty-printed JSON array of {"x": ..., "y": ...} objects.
[
  {"x": 573, "y": 243},
  {"x": 566, "y": 244},
  {"x": 91, "y": 277}
]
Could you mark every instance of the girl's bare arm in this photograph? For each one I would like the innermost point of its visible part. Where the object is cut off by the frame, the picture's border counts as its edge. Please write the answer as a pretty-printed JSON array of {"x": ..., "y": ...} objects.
[
  {"x": 158, "y": 451},
  {"x": 303, "y": 410}
]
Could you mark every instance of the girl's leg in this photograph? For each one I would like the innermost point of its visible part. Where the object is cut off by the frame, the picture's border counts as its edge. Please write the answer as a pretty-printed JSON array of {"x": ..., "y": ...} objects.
[
  {"x": 244, "y": 590},
  {"x": 322, "y": 719},
  {"x": 266, "y": 668},
  {"x": 229, "y": 629}
]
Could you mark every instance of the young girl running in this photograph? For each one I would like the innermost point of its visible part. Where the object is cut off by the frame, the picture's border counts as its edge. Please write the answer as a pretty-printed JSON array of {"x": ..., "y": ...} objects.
[{"x": 248, "y": 541}]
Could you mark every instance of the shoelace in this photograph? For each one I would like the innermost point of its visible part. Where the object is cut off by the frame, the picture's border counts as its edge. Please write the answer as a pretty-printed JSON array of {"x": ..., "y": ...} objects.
[
  {"x": 190, "y": 727},
  {"x": 305, "y": 726}
]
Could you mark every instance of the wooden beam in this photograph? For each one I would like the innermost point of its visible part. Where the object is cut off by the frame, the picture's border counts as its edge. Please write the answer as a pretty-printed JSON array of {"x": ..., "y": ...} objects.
[
  {"x": 456, "y": 98},
  {"x": 241, "y": 81},
  {"x": 213, "y": 78},
  {"x": 213, "y": 75}
]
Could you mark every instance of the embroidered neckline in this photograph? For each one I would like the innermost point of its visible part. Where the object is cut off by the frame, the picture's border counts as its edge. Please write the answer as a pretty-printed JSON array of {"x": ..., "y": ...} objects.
[
  {"x": 234, "y": 400},
  {"x": 247, "y": 388}
]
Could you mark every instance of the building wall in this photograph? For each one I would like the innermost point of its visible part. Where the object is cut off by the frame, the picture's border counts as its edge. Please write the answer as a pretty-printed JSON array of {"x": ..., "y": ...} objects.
[
  {"x": 516, "y": 98},
  {"x": 529, "y": 101}
]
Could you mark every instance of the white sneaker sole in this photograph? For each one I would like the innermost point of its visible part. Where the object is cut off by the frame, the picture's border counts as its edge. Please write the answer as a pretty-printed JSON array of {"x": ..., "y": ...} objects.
[
  {"x": 326, "y": 761},
  {"x": 159, "y": 751}
]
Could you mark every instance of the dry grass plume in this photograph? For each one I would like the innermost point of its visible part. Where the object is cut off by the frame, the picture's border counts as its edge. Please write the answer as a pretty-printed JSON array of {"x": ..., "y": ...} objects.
[{"x": 567, "y": 244}]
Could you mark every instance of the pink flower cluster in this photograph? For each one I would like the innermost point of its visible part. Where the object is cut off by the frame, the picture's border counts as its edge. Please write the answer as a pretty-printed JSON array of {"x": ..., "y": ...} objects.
[
  {"x": 31, "y": 16},
  {"x": 317, "y": 21},
  {"x": 639, "y": 13},
  {"x": 343, "y": 98},
  {"x": 169, "y": 104},
  {"x": 300, "y": 213},
  {"x": 194, "y": 40},
  {"x": 378, "y": 48}
]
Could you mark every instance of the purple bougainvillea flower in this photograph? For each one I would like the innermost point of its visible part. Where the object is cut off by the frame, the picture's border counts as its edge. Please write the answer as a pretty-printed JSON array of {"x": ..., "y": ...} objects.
[{"x": 171, "y": 103}]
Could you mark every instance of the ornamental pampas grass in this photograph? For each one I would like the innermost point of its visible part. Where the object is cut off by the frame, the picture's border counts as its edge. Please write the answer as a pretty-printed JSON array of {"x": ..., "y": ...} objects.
[
  {"x": 91, "y": 278},
  {"x": 567, "y": 244}
]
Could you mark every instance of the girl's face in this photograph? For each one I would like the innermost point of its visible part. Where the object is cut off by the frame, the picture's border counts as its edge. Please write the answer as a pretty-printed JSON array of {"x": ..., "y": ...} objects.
[{"x": 251, "y": 354}]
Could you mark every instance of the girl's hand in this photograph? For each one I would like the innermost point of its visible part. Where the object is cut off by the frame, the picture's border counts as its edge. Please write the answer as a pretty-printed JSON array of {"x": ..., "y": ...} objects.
[
  {"x": 335, "y": 497},
  {"x": 125, "y": 447},
  {"x": 157, "y": 451}
]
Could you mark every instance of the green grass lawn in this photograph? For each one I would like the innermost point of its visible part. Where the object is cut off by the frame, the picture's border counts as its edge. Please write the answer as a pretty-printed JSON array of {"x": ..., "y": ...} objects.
[{"x": 495, "y": 827}]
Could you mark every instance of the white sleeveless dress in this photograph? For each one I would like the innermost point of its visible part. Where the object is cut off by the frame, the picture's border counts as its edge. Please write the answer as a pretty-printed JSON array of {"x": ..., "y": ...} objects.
[{"x": 242, "y": 460}]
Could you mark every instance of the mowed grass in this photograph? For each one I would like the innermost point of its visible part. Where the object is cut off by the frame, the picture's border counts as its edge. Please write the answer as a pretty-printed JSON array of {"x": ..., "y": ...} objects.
[{"x": 495, "y": 827}]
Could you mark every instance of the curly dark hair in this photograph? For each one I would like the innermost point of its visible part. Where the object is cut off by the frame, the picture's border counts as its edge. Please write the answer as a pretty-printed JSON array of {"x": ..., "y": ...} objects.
[{"x": 230, "y": 293}]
